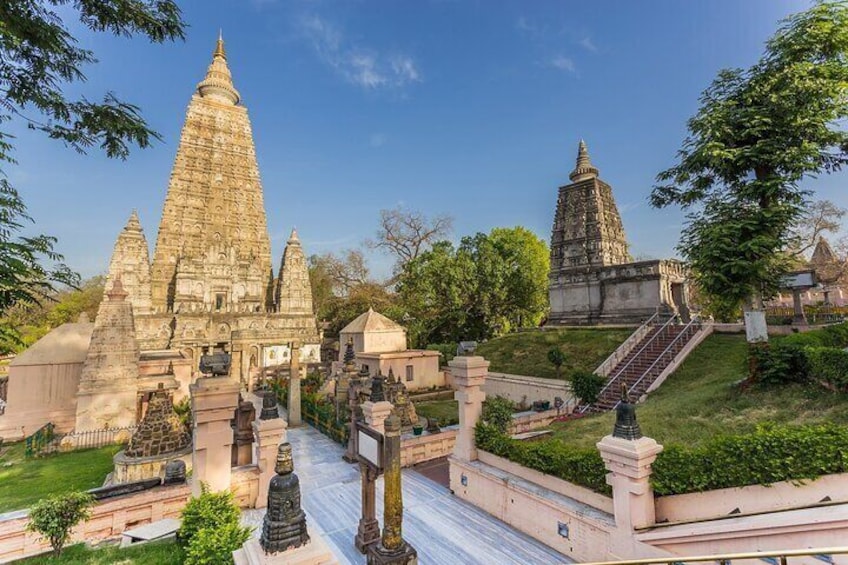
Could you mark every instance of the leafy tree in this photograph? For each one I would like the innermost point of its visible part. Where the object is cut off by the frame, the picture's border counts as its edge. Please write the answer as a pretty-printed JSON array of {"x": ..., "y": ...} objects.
[
  {"x": 38, "y": 58},
  {"x": 758, "y": 133},
  {"x": 54, "y": 517},
  {"x": 406, "y": 233},
  {"x": 488, "y": 285},
  {"x": 497, "y": 412},
  {"x": 557, "y": 358}
]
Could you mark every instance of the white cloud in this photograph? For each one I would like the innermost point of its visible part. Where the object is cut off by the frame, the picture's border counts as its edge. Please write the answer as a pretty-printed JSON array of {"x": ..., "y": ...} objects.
[
  {"x": 587, "y": 44},
  {"x": 563, "y": 63},
  {"x": 378, "y": 139},
  {"x": 364, "y": 67}
]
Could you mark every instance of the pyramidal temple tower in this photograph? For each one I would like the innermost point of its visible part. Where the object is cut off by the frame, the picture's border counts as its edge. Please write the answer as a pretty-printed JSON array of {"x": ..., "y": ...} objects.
[
  {"x": 294, "y": 293},
  {"x": 213, "y": 252},
  {"x": 131, "y": 262},
  {"x": 593, "y": 279},
  {"x": 210, "y": 284}
]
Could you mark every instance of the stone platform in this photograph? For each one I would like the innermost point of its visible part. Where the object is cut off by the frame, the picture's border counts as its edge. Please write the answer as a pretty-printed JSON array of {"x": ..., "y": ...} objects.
[
  {"x": 315, "y": 552},
  {"x": 442, "y": 528}
]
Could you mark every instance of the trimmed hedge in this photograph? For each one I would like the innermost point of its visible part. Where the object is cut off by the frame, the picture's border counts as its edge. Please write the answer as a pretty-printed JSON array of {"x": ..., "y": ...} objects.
[
  {"x": 828, "y": 365},
  {"x": 581, "y": 466},
  {"x": 768, "y": 455}
]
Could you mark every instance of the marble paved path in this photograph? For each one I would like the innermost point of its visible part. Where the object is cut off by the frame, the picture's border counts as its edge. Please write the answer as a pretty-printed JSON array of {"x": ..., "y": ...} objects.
[{"x": 444, "y": 529}]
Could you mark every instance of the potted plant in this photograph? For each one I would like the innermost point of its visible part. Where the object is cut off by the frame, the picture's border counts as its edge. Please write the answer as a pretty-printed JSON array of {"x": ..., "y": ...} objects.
[{"x": 417, "y": 429}]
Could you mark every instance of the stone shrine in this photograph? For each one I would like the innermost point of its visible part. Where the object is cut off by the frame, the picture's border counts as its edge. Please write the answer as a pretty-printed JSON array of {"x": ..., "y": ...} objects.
[
  {"x": 159, "y": 439},
  {"x": 593, "y": 279}
]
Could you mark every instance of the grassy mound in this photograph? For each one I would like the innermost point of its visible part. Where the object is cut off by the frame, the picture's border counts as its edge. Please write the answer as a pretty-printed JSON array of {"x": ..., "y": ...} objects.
[
  {"x": 156, "y": 553},
  {"x": 700, "y": 401},
  {"x": 526, "y": 353}
]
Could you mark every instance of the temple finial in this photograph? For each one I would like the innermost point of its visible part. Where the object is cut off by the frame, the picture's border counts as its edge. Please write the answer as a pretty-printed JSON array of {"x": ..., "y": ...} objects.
[
  {"x": 218, "y": 83},
  {"x": 584, "y": 169}
]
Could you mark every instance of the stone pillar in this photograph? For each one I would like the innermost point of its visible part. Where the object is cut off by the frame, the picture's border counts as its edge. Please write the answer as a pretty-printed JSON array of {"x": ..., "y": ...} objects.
[
  {"x": 469, "y": 374},
  {"x": 375, "y": 414},
  {"x": 799, "y": 318},
  {"x": 243, "y": 436},
  {"x": 368, "y": 533},
  {"x": 628, "y": 456},
  {"x": 353, "y": 408},
  {"x": 269, "y": 433},
  {"x": 213, "y": 401},
  {"x": 294, "y": 386},
  {"x": 392, "y": 549}
]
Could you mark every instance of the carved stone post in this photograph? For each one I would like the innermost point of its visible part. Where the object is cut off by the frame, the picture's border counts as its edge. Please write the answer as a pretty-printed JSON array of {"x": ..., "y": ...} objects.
[
  {"x": 294, "y": 386},
  {"x": 469, "y": 374},
  {"x": 368, "y": 533},
  {"x": 799, "y": 318},
  {"x": 353, "y": 408},
  {"x": 270, "y": 432},
  {"x": 243, "y": 436},
  {"x": 213, "y": 401},
  {"x": 392, "y": 549}
]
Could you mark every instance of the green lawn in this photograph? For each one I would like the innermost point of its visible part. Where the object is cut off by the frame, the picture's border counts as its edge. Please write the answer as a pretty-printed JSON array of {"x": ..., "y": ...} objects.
[
  {"x": 24, "y": 481},
  {"x": 157, "y": 553},
  {"x": 526, "y": 353},
  {"x": 699, "y": 401},
  {"x": 447, "y": 411}
]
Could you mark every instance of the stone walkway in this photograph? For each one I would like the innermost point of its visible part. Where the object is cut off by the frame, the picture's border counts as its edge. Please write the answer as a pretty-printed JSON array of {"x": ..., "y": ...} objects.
[{"x": 444, "y": 529}]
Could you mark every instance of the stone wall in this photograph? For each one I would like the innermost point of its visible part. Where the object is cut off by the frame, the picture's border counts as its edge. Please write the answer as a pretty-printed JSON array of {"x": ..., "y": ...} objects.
[
  {"x": 39, "y": 394},
  {"x": 523, "y": 389},
  {"x": 109, "y": 519},
  {"x": 417, "y": 449}
]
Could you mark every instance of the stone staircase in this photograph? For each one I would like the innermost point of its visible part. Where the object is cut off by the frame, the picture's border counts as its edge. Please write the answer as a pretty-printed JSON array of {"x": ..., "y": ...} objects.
[{"x": 646, "y": 361}]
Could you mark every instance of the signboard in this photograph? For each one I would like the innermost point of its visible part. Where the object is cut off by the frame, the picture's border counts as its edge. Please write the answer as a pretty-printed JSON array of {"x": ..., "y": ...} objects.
[
  {"x": 369, "y": 446},
  {"x": 799, "y": 280}
]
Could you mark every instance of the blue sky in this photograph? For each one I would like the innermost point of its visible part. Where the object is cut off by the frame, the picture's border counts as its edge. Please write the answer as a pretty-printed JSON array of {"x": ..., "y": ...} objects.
[{"x": 473, "y": 109}]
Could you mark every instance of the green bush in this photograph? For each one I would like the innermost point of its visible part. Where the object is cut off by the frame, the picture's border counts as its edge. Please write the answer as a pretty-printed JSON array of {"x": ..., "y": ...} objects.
[
  {"x": 828, "y": 365},
  {"x": 581, "y": 466},
  {"x": 778, "y": 363},
  {"x": 55, "y": 516},
  {"x": 215, "y": 546},
  {"x": 210, "y": 510},
  {"x": 587, "y": 386},
  {"x": 766, "y": 456},
  {"x": 447, "y": 350},
  {"x": 557, "y": 358},
  {"x": 497, "y": 411}
]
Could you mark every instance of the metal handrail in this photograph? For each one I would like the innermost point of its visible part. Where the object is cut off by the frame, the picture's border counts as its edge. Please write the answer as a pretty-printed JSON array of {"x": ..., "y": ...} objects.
[
  {"x": 633, "y": 358},
  {"x": 727, "y": 558},
  {"x": 612, "y": 356},
  {"x": 695, "y": 320}
]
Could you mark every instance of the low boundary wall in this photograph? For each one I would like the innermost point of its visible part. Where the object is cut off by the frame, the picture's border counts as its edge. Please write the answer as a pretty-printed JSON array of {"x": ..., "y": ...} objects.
[
  {"x": 426, "y": 447},
  {"x": 526, "y": 389},
  {"x": 109, "y": 519},
  {"x": 753, "y": 499}
]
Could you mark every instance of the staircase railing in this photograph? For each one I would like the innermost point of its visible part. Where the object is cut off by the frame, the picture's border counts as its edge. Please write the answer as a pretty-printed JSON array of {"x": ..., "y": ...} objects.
[
  {"x": 822, "y": 554},
  {"x": 694, "y": 322},
  {"x": 615, "y": 377},
  {"x": 623, "y": 350}
]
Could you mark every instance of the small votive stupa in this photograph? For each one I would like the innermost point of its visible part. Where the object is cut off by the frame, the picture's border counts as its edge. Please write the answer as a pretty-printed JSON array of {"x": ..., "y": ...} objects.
[{"x": 159, "y": 439}]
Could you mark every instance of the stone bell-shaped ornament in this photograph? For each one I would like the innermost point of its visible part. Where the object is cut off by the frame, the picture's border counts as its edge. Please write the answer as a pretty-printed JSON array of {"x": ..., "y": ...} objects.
[
  {"x": 377, "y": 391},
  {"x": 626, "y": 426},
  {"x": 269, "y": 406}
]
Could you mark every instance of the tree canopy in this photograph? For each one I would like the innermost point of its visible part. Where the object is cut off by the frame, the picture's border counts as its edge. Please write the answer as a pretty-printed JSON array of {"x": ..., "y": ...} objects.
[
  {"x": 38, "y": 58},
  {"x": 488, "y": 285},
  {"x": 758, "y": 134}
]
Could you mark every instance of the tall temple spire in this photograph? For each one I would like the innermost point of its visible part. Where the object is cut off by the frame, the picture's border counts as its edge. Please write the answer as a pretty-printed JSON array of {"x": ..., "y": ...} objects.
[
  {"x": 584, "y": 169},
  {"x": 218, "y": 84}
]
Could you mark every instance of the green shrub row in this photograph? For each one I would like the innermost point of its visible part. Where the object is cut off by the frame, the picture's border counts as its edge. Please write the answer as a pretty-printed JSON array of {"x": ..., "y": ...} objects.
[
  {"x": 768, "y": 455},
  {"x": 581, "y": 466},
  {"x": 828, "y": 365},
  {"x": 782, "y": 362}
]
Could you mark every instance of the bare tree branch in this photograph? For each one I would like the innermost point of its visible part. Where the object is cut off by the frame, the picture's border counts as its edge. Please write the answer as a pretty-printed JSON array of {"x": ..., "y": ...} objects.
[{"x": 406, "y": 233}]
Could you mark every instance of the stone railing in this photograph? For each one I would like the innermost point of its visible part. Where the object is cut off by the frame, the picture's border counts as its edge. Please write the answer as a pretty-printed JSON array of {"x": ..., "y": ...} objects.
[
  {"x": 525, "y": 389},
  {"x": 426, "y": 447}
]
